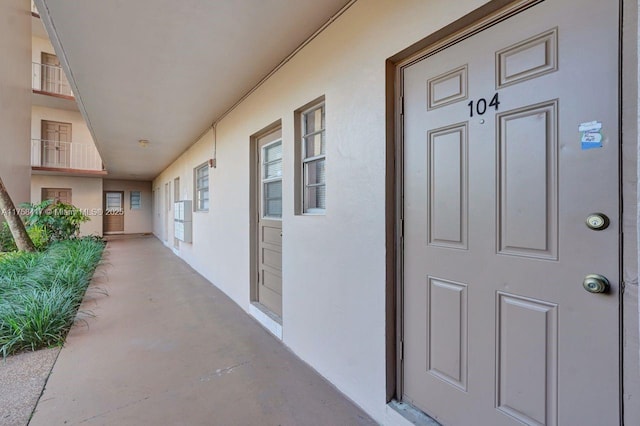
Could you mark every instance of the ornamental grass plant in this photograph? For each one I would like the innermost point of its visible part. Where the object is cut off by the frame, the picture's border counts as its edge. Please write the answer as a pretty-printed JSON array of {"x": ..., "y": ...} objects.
[{"x": 40, "y": 292}]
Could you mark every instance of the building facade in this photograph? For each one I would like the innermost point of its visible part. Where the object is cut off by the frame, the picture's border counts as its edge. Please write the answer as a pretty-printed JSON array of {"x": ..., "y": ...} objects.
[
  {"x": 64, "y": 161},
  {"x": 434, "y": 205}
]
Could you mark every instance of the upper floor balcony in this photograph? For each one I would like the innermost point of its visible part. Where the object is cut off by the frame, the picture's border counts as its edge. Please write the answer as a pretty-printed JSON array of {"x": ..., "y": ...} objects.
[
  {"x": 69, "y": 157},
  {"x": 50, "y": 79}
]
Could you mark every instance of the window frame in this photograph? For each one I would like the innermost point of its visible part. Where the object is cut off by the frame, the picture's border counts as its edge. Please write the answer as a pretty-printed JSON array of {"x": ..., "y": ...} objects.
[
  {"x": 264, "y": 181},
  {"x": 198, "y": 191},
  {"x": 131, "y": 204},
  {"x": 302, "y": 159}
]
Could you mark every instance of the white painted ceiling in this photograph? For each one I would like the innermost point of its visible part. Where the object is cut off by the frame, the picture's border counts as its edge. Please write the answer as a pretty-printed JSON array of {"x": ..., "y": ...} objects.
[{"x": 164, "y": 70}]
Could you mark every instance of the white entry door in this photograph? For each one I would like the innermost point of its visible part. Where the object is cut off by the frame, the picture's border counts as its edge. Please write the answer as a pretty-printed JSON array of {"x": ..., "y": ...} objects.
[{"x": 510, "y": 146}]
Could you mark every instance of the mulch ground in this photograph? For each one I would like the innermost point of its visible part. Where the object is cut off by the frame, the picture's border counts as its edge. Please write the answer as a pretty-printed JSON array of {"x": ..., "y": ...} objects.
[{"x": 22, "y": 378}]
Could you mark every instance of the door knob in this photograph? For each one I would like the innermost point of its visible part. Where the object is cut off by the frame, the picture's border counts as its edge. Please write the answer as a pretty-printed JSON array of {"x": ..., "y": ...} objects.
[
  {"x": 595, "y": 283},
  {"x": 597, "y": 221}
]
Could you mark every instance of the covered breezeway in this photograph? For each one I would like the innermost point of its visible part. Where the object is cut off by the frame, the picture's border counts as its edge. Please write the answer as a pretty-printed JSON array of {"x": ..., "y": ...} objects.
[{"x": 166, "y": 347}]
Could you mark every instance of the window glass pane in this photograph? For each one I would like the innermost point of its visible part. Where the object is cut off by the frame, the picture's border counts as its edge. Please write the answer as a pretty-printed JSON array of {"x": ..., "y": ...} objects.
[
  {"x": 113, "y": 201},
  {"x": 313, "y": 120},
  {"x": 135, "y": 199},
  {"x": 273, "y": 208},
  {"x": 316, "y": 197},
  {"x": 272, "y": 161},
  {"x": 273, "y": 170},
  {"x": 203, "y": 200},
  {"x": 314, "y": 145},
  {"x": 273, "y": 189},
  {"x": 273, "y": 152},
  {"x": 202, "y": 187},
  {"x": 273, "y": 199},
  {"x": 203, "y": 172},
  {"x": 315, "y": 172},
  {"x": 313, "y": 159}
]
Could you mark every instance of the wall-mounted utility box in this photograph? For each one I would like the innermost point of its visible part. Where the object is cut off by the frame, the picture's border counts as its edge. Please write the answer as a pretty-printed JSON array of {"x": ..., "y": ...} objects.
[{"x": 182, "y": 221}]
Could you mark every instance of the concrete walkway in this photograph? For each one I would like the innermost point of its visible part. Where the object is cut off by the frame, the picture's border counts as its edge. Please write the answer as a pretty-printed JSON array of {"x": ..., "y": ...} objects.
[{"x": 167, "y": 348}]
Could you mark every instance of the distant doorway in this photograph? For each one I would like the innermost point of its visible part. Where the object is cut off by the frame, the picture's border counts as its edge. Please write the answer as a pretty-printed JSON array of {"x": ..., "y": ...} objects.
[
  {"x": 58, "y": 195},
  {"x": 113, "y": 222},
  {"x": 176, "y": 198}
]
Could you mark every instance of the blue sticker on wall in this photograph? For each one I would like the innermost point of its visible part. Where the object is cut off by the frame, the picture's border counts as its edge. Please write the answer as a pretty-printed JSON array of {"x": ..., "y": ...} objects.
[{"x": 591, "y": 135}]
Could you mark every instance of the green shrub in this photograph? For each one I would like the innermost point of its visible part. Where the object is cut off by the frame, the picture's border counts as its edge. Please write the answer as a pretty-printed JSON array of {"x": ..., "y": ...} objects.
[
  {"x": 40, "y": 293},
  {"x": 47, "y": 222},
  {"x": 61, "y": 221},
  {"x": 38, "y": 234},
  {"x": 6, "y": 239}
]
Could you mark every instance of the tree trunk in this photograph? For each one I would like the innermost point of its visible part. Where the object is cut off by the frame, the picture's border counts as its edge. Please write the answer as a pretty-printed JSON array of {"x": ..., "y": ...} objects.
[{"x": 16, "y": 226}]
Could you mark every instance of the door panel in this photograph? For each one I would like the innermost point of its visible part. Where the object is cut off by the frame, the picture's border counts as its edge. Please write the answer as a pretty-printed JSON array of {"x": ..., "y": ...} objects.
[
  {"x": 496, "y": 324},
  {"x": 56, "y": 144},
  {"x": 51, "y": 73},
  {"x": 113, "y": 220},
  {"x": 270, "y": 221},
  {"x": 58, "y": 195}
]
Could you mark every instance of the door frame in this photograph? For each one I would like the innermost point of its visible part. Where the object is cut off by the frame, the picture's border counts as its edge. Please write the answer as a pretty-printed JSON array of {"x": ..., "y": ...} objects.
[
  {"x": 478, "y": 20},
  {"x": 44, "y": 73},
  {"x": 43, "y": 124},
  {"x": 43, "y": 191},
  {"x": 254, "y": 205},
  {"x": 104, "y": 203}
]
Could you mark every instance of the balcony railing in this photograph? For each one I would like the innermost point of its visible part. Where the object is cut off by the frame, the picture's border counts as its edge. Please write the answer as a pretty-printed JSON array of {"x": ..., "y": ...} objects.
[
  {"x": 65, "y": 155},
  {"x": 50, "y": 79}
]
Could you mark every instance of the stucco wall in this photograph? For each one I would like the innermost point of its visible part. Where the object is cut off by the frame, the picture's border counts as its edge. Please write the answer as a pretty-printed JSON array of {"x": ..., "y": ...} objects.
[
  {"x": 86, "y": 194},
  {"x": 80, "y": 133},
  {"x": 82, "y": 154},
  {"x": 136, "y": 221},
  {"x": 333, "y": 265},
  {"x": 15, "y": 97},
  {"x": 40, "y": 45}
]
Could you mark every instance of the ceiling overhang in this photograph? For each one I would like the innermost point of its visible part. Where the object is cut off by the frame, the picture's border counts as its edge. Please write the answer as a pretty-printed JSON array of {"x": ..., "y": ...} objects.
[{"x": 165, "y": 70}]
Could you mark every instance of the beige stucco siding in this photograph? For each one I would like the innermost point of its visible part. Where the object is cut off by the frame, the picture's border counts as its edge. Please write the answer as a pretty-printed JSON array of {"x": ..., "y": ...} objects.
[
  {"x": 86, "y": 194},
  {"x": 83, "y": 153},
  {"x": 79, "y": 129},
  {"x": 40, "y": 45},
  {"x": 15, "y": 97}
]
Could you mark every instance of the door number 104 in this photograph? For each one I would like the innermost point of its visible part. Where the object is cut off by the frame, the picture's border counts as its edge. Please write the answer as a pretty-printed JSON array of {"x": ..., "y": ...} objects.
[{"x": 480, "y": 106}]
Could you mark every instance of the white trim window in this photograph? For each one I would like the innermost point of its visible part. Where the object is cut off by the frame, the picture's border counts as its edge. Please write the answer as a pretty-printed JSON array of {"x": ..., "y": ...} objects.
[
  {"x": 313, "y": 160},
  {"x": 135, "y": 200},
  {"x": 201, "y": 178}
]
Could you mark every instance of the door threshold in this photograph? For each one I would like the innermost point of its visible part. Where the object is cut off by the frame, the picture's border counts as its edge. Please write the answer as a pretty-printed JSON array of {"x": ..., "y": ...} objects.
[
  {"x": 267, "y": 319},
  {"x": 403, "y": 413}
]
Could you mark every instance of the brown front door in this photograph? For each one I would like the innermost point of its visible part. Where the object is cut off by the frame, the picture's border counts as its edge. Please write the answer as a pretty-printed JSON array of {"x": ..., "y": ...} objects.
[
  {"x": 113, "y": 212},
  {"x": 56, "y": 144},
  {"x": 510, "y": 143},
  {"x": 51, "y": 75},
  {"x": 270, "y": 221},
  {"x": 58, "y": 195}
]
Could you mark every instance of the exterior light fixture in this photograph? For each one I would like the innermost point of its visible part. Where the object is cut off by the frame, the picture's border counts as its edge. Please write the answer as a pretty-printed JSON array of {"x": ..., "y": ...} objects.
[{"x": 143, "y": 143}]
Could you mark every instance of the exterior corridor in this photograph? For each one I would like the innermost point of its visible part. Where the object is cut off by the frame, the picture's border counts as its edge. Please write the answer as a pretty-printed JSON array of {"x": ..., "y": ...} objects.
[{"x": 165, "y": 347}]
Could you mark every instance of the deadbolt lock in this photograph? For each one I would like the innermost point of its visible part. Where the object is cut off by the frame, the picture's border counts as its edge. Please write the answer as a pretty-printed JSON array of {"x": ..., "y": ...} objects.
[
  {"x": 597, "y": 221},
  {"x": 595, "y": 283}
]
